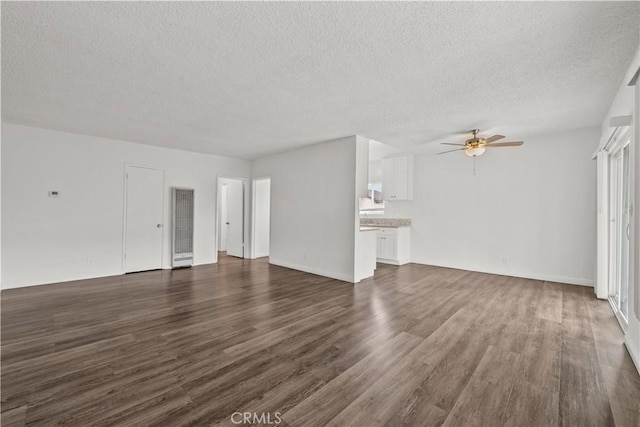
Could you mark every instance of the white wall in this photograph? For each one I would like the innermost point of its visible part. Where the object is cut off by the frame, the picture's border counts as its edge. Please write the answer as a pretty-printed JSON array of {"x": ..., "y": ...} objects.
[
  {"x": 1, "y": 204},
  {"x": 528, "y": 212},
  {"x": 375, "y": 171},
  {"x": 364, "y": 242},
  {"x": 313, "y": 207},
  {"x": 49, "y": 240},
  {"x": 261, "y": 221}
]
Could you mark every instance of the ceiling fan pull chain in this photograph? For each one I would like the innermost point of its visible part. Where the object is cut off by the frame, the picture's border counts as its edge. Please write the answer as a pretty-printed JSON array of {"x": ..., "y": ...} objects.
[{"x": 474, "y": 165}]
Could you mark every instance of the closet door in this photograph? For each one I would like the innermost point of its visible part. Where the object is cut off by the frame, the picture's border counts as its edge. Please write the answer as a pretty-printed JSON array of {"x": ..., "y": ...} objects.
[{"x": 143, "y": 219}]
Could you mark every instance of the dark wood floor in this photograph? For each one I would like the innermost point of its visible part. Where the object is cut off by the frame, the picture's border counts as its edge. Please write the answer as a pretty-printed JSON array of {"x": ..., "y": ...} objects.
[{"x": 416, "y": 345}]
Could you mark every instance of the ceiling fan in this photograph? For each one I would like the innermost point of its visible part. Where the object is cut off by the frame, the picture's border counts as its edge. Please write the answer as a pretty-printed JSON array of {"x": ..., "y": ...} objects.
[{"x": 475, "y": 146}]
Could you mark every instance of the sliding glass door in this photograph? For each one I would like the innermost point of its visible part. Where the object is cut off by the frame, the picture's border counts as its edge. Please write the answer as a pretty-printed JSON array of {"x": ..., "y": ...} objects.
[{"x": 619, "y": 217}]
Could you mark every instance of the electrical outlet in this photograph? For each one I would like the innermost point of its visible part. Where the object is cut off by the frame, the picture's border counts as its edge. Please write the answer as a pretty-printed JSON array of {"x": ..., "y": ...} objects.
[
  {"x": 504, "y": 262},
  {"x": 89, "y": 260}
]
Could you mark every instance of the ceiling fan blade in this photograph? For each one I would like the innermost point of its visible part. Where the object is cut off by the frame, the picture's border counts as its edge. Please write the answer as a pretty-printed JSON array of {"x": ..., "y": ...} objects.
[
  {"x": 505, "y": 144},
  {"x": 451, "y": 151},
  {"x": 451, "y": 143},
  {"x": 493, "y": 138}
]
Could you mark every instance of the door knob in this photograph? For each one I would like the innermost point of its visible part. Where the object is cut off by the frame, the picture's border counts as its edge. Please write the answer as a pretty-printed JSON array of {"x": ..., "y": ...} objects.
[{"x": 159, "y": 225}]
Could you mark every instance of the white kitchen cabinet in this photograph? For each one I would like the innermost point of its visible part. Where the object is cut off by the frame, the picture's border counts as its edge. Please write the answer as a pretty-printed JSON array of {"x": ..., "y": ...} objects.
[
  {"x": 386, "y": 247},
  {"x": 394, "y": 245},
  {"x": 365, "y": 254},
  {"x": 397, "y": 178}
]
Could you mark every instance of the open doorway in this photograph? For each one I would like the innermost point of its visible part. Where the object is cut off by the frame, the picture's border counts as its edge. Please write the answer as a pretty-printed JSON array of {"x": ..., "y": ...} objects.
[
  {"x": 261, "y": 216},
  {"x": 231, "y": 216}
]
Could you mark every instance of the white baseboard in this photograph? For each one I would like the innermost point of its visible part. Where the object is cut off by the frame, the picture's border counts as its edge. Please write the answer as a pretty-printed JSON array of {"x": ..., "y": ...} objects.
[
  {"x": 632, "y": 352},
  {"x": 387, "y": 261},
  {"x": 58, "y": 281},
  {"x": 391, "y": 262},
  {"x": 312, "y": 270},
  {"x": 534, "y": 276},
  {"x": 556, "y": 279}
]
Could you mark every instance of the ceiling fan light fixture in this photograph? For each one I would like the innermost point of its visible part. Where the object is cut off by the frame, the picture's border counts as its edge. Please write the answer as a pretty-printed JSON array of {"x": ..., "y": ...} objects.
[
  {"x": 476, "y": 146},
  {"x": 474, "y": 151}
]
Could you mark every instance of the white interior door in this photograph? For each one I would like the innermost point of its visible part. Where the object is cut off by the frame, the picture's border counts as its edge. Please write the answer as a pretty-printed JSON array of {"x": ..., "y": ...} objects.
[
  {"x": 222, "y": 246},
  {"x": 235, "y": 217},
  {"x": 143, "y": 222}
]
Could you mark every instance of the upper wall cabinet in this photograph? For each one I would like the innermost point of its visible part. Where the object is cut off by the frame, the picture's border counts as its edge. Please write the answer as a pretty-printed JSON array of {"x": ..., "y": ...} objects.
[{"x": 397, "y": 178}]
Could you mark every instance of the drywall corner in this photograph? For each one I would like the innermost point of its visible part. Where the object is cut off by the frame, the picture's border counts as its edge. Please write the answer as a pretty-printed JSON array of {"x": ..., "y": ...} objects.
[{"x": 313, "y": 207}]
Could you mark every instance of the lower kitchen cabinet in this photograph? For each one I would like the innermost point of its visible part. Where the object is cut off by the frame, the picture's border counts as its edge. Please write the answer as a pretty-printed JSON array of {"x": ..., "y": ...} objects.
[{"x": 394, "y": 245}]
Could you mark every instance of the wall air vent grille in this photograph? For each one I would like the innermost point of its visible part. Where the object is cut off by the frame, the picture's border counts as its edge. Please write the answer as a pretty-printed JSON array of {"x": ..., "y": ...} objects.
[{"x": 183, "y": 214}]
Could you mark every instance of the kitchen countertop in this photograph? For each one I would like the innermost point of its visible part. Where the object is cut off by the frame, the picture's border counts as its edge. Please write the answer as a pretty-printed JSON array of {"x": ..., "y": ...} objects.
[{"x": 385, "y": 222}]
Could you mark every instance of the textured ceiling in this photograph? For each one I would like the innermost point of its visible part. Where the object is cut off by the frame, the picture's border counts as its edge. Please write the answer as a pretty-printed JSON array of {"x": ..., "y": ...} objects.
[{"x": 249, "y": 79}]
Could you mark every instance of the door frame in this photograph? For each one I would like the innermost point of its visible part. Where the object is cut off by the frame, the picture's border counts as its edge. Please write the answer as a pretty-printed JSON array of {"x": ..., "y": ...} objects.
[
  {"x": 252, "y": 254},
  {"x": 221, "y": 239},
  {"x": 614, "y": 152},
  {"x": 124, "y": 211},
  {"x": 245, "y": 220}
]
